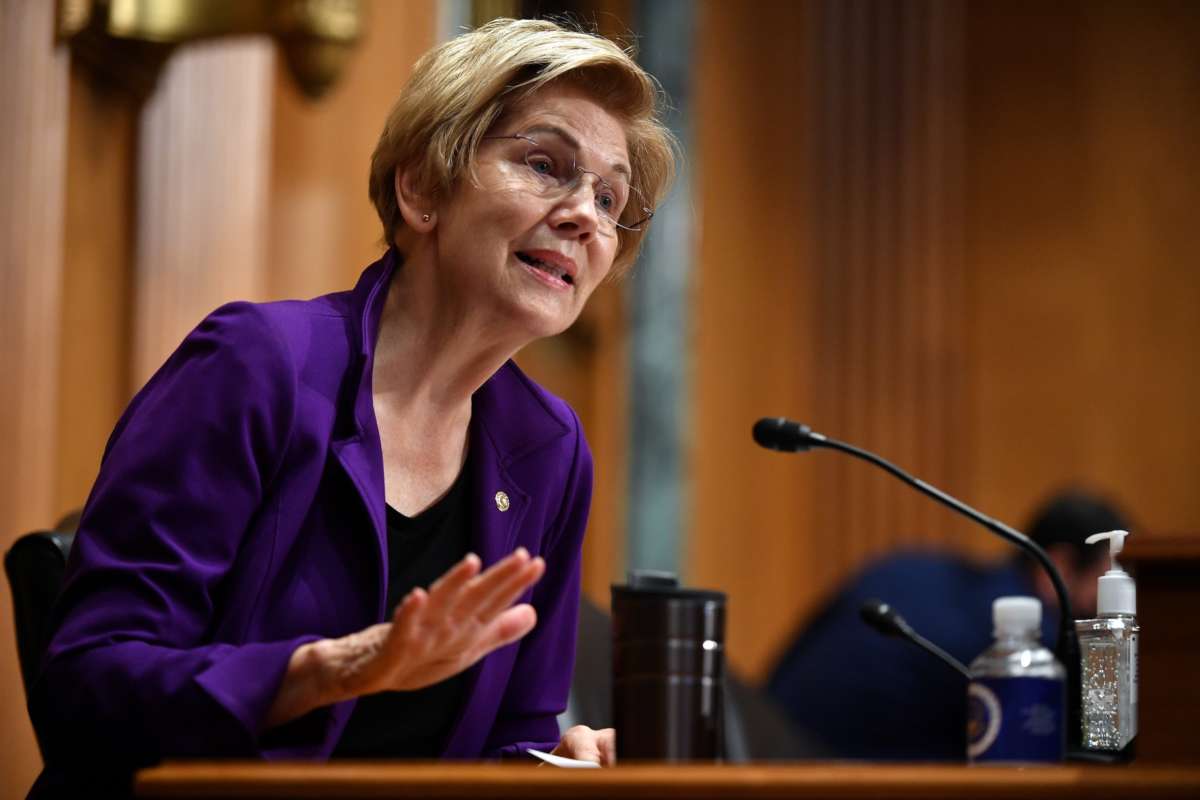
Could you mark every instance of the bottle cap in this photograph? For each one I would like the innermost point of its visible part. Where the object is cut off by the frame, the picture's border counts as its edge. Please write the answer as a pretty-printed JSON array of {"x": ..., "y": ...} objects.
[
  {"x": 1115, "y": 593},
  {"x": 1013, "y": 615}
]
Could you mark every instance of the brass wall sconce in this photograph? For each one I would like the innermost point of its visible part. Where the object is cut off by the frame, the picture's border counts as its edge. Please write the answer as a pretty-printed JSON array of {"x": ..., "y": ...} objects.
[{"x": 125, "y": 43}]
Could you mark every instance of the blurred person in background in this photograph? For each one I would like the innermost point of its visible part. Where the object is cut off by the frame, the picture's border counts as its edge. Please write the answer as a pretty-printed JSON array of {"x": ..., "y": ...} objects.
[
  {"x": 864, "y": 695},
  {"x": 351, "y": 526}
]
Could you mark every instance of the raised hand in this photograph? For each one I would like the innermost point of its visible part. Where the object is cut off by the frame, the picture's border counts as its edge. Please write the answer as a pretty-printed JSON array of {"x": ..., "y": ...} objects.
[{"x": 465, "y": 615}]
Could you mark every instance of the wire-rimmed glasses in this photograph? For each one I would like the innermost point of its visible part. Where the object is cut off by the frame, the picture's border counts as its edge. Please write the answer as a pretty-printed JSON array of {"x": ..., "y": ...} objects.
[{"x": 551, "y": 169}]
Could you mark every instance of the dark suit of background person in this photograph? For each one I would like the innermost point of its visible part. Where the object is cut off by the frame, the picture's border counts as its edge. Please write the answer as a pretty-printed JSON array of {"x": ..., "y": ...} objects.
[{"x": 864, "y": 695}]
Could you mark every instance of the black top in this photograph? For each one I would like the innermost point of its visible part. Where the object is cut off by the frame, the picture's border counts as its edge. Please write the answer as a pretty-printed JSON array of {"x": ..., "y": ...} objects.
[{"x": 414, "y": 724}]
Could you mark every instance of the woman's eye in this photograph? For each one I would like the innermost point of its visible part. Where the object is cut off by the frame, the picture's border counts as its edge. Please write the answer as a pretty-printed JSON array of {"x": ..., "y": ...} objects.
[
  {"x": 606, "y": 202},
  {"x": 542, "y": 165}
]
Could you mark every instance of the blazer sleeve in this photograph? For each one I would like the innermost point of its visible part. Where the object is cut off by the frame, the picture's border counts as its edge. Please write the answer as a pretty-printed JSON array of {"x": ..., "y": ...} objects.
[
  {"x": 541, "y": 678},
  {"x": 131, "y": 673}
]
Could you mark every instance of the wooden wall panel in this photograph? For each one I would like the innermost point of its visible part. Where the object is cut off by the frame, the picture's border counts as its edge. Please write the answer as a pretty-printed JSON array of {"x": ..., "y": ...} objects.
[
  {"x": 831, "y": 291},
  {"x": 754, "y": 300},
  {"x": 1084, "y": 120},
  {"x": 97, "y": 320},
  {"x": 959, "y": 235},
  {"x": 203, "y": 160},
  {"x": 33, "y": 135},
  {"x": 322, "y": 228},
  {"x": 890, "y": 325},
  {"x": 33, "y": 142}
]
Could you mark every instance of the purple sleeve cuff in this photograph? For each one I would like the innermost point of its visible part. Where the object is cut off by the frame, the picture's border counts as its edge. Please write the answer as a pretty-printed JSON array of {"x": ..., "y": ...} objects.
[{"x": 246, "y": 680}]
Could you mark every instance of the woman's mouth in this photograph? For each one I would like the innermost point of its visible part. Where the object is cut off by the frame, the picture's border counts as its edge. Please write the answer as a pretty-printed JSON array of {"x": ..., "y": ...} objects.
[{"x": 550, "y": 269}]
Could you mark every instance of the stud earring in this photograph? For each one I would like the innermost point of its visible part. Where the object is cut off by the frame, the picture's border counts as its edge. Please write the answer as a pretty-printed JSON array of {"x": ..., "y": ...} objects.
[{"x": 424, "y": 218}]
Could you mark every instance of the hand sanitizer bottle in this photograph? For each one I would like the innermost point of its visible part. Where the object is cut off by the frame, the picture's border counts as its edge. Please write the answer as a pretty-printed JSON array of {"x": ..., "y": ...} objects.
[
  {"x": 1016, "y": 698},
  {"x": 1109, "y": 659}
]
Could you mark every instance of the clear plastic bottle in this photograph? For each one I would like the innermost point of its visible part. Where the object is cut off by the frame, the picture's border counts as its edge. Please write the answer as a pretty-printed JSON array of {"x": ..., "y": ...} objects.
[
  {"x": 1016, "y": 697},
  {"x": 1109, "y": 660}
]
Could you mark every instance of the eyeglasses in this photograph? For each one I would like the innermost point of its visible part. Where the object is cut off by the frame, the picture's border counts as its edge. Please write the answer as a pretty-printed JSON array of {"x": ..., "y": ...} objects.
[{"x": 549, "y": 167}]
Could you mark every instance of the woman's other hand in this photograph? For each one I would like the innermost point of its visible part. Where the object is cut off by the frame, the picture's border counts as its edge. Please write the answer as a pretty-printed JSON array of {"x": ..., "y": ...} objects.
[
  {"x": 433, "y": 635},
  {"x": 585, "y": 744}
]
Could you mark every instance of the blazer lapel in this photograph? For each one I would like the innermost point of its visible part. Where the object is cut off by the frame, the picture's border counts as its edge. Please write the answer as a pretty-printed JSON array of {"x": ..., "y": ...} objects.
[
  {"x": 498, "y": 503},
  {"x": 505, "y": 428},
  {"x": 356, "y": 444}
]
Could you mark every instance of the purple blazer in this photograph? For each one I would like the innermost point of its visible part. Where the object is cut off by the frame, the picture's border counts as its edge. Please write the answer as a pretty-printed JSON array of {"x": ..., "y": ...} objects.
[{"x": 239, "y": 512}]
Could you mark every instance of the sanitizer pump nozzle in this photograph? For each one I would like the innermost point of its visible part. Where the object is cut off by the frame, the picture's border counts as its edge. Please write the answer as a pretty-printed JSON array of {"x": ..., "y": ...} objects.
[{"x": 1116, "y": 593}]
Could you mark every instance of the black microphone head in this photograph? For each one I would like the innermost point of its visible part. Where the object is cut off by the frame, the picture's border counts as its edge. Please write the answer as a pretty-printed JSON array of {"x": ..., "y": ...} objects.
[
  {"x": 779, "y": 433},
  {"x": 882, "y": 617}
]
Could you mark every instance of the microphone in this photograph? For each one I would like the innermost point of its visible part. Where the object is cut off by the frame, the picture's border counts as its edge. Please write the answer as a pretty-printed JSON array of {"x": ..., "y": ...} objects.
[
  {"x": 778, "y": 433},
  {"x": 887, "y": 620}
]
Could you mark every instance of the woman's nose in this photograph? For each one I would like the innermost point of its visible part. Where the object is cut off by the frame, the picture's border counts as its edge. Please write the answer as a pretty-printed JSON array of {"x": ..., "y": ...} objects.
[{"x": 575, "y": 212}]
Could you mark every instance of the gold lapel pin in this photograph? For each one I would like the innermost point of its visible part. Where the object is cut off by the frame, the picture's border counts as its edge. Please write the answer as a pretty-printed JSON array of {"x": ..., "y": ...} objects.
[{"x": 502, "y": 501}]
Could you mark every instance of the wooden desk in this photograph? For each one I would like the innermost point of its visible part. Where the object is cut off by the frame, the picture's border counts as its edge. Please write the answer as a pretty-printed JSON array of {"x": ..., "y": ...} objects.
[{"x": 477, "y": 781}]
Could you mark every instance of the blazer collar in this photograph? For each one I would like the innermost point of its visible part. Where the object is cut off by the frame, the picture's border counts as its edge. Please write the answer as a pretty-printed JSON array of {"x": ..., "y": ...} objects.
[
  {"x": 511, "y": 419},
  {"x": 356, "y": 434}
]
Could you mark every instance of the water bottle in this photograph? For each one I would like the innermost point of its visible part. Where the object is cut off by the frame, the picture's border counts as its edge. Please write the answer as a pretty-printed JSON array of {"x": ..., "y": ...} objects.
[{"x": 1016, "y": 698}]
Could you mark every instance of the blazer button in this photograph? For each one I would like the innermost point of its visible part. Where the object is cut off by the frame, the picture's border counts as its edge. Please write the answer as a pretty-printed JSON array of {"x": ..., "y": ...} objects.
[{"x": 502, "y": 501}]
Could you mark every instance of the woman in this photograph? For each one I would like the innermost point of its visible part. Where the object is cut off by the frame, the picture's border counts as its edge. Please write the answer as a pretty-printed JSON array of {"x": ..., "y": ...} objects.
[{"x": 248, "y": 575}]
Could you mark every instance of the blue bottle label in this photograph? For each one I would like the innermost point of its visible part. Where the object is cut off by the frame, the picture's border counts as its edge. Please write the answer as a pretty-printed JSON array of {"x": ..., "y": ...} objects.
[{"x": 1015, "y": 719}]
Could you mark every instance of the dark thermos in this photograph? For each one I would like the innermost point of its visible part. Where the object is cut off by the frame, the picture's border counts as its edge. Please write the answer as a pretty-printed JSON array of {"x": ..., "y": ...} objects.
[{"x": 668, "y": 670}]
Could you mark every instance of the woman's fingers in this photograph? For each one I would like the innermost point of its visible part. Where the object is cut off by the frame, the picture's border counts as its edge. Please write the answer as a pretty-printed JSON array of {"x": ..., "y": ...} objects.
[
  {"x": 477, "y": 593},
  {"x": 476, "y": 600},
  {"x": 606, "y": 743},
  {"x": 450, "y": 592},
  {"x": 511, "y": 626},
  {"x": 445, "y": 591},
  {"x": 504, "y": 594},
  {"x": 585, "y": 744},
  {"x": 409, "y": 616}
]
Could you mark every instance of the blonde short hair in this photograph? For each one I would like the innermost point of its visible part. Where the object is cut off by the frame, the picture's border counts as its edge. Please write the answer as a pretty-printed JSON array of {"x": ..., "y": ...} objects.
[{"x": 461, "y": 88}]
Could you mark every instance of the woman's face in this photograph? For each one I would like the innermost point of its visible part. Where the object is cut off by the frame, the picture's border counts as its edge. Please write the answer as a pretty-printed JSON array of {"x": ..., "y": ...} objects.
[{"x": 529, "y": 243}]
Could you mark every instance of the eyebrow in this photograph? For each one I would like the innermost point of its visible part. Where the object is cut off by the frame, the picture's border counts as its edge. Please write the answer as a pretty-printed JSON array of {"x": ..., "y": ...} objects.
[{"x": 616, "y": 166}]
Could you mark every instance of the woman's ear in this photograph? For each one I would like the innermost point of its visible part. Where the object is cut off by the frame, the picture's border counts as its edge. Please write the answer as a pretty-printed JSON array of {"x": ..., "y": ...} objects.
[{"x": 415, "y": 207}]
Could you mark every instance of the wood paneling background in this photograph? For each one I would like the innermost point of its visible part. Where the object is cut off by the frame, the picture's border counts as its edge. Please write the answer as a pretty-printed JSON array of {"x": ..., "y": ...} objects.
[
  {"x": 96, "y": 326},
  {"x": 33, "y": 142},
  {"x": 1084, "y": 253},
  {"x": 961, "y": 234},
  {"x": 203, "y": 159},
  {"x": 755, "y": 303},
  {"x": 323, "y": 229},
  {"x": 887, "y": 252}
]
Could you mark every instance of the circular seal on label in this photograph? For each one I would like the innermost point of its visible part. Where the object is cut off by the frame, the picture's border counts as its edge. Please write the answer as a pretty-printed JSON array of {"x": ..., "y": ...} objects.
[{"x": 983, "y": 719}]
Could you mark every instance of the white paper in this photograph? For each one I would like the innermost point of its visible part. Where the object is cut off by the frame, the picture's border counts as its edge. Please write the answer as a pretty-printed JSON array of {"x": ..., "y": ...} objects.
[{"x": 559, "y": 761}]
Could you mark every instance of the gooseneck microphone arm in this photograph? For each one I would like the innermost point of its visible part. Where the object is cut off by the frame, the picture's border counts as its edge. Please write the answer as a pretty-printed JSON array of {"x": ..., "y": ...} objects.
[
  {"x": 778, "y": 433},
  {"x": 887, "y": 620}
]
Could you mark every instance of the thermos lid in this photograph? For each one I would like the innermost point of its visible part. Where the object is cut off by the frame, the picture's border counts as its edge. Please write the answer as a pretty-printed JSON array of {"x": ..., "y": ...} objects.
[{"x": 662, "y": 584}]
